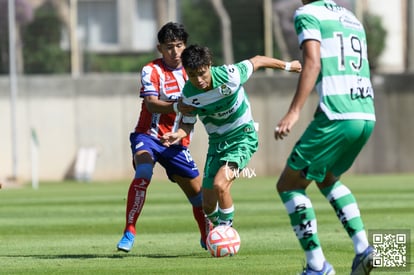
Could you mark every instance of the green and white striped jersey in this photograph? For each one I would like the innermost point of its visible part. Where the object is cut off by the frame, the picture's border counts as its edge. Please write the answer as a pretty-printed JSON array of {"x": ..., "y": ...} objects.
[
  {"x": 224, "y": 110},
  {"x": 344, "y": 85}
]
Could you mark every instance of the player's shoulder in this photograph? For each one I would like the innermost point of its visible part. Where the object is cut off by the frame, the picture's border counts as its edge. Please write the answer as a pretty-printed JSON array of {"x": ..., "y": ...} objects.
[
  {"x": 154, "y": 68},
  {"x": 316, "y": 9},
  {"x": 156, "y": 63},
  {"x": 307, "y": 9}
]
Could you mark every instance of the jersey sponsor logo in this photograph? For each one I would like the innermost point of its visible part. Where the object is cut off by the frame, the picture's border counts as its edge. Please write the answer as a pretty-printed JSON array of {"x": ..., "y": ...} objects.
[
  {"x": 225, "y": 113},
  {"x": 171, "y": 86},
  {"x": 195, "y": 101},
  {"x": 361, "y": 92},
  {"x": 349, "y": 22},
  {"x": 225, "y": 90}
]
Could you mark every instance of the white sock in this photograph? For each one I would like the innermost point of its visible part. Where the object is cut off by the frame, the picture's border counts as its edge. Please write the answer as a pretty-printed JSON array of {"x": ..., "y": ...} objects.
[
  {"x": 315, "y": 259},
  {"x": 360, "y": 242}
]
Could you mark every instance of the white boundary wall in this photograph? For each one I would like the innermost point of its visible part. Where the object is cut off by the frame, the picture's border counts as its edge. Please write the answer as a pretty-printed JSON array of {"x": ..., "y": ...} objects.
[{"x": 99, "y": 111}]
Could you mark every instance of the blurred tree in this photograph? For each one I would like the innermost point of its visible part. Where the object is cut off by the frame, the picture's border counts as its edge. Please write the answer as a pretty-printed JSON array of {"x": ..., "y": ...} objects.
[
  {"x": 42, "y": 52},
  {"x": 23, "y": 15},
  {"x": 203, "y": 26},
  {"x": 128, "y": 63},
  {"x": 376, "y": 35},
  {"x": 226, "y": 33},
  {"x": 246, "y": 22},
  {"x": 247, "y": 27}
]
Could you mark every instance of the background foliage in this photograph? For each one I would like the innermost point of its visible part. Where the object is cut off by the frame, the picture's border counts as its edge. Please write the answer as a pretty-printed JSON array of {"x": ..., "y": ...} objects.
[
  {"x": 43, "y": 54},
  {"x": 376, "y": 35},
  {"x": 41, "y": 44}
]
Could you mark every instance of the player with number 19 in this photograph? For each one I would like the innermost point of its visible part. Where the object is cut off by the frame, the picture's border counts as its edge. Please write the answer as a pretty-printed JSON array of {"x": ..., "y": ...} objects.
[{"x": 335, "y": 63}]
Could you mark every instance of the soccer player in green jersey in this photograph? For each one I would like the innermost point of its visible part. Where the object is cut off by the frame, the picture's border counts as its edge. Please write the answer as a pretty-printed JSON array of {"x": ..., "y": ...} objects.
[
  {"x": 335, "y": 62},
  {"x": 223, "y": 107}
]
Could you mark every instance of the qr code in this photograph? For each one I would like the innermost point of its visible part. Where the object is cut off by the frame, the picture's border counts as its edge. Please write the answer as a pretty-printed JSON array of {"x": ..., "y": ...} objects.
[{"x": 391, "y": 249}]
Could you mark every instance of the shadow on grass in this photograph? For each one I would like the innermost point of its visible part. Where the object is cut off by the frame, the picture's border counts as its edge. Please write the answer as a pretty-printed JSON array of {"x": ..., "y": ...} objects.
[
  {"x": 69, "y": 256},
  {"x": 165, "y": 256},
  {"x": 106, "y": 256}
]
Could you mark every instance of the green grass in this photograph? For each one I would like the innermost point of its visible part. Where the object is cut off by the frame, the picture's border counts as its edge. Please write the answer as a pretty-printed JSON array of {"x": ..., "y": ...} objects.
[{"x": 73, "y": 228}]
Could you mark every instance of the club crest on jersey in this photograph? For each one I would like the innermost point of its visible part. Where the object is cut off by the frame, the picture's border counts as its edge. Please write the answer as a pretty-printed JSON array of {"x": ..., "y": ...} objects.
[{"x": 225, "y": 90}]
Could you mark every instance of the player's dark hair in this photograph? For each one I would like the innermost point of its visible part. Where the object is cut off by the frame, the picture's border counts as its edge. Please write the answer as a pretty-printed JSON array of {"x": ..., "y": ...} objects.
[
  {"x": 172, "y": 32},
  {"x": 194, "y": 57}
]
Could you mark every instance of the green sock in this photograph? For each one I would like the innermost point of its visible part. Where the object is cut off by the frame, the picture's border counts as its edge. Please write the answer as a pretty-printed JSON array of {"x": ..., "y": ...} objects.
[
  {"x": 226, "y": 216},
  {"x": 303, "y": 221},
  {"x": 347, "y": 211},
  {"x": 345, "y": 206},
  {"x": 214, "y": 217}
]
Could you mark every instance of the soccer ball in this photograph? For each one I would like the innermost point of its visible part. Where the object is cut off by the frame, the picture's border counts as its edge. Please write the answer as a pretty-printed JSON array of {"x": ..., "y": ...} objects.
[{"x": 223, "y": 241}]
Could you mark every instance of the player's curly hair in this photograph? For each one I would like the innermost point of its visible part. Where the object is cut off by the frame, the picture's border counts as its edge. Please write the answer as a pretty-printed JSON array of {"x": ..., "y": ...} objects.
[
  {"x": 194, "y": 57},
  {"x": 172, "y": 32}
]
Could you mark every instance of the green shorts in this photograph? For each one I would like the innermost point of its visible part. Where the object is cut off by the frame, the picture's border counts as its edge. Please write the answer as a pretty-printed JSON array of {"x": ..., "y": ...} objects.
[
  {"x": 238, "y": 150},
  {"x": 329, "y": 146}
]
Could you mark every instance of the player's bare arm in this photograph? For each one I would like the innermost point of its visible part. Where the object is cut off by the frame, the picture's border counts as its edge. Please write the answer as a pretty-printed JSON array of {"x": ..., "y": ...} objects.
[
  {"x": 171, "y": 138},
  {"x": 260, "y": 61},
  {"x": 307, "y": 79},
  {"x": 155, "y": 105}
]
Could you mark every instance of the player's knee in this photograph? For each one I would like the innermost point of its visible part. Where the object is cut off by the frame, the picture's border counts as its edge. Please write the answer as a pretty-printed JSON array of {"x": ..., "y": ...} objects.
[{"x": 222, "y": 186}]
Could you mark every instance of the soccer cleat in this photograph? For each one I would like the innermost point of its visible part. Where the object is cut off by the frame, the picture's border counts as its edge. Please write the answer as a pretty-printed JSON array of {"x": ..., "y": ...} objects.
[
  {"x": 362, "y": 264},
  {"x": 209, "y": 227},
  {"x": 327, "y": 269},
  {"x": 226, "y": 223},
  {"x": 127, "y": 242}
]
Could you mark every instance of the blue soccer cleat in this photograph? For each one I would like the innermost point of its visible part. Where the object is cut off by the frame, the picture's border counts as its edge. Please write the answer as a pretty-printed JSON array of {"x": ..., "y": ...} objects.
[
  {"x": 327, "y": 269},
  {"x": 127, "y": 242},
  {"x": 362, "y": 264}
]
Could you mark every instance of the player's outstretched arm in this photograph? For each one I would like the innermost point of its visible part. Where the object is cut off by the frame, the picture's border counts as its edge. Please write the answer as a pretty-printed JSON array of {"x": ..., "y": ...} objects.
[{"x": 260, "y": 61}]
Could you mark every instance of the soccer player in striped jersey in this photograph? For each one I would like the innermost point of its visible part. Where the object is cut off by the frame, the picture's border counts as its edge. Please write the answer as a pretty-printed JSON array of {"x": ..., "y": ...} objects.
[
  {"x": 223, "y": 107},
  {"x": 335, "y": 62},
  {"x": 162, "y": 81}
]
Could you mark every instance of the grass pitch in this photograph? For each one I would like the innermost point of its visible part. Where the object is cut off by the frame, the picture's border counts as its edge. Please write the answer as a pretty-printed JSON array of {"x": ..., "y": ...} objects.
[{"x": 73, "y": 228}]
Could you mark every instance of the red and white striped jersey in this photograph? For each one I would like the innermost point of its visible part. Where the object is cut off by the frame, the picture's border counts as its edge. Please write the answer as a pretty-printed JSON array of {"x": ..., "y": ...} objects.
[{"x": 165, "y": 83}]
